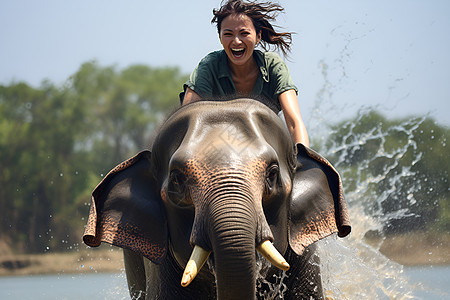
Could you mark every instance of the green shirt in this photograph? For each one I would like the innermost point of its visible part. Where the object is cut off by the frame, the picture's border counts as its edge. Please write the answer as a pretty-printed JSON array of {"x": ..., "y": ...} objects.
[{"x": 211, "y": 79}]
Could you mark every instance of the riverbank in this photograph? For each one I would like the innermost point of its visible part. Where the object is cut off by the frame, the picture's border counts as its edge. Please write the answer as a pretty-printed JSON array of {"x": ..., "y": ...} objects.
[
  {"x": 417, "y": 249},
  {"x": 408, "y": 250},
  {"x": 103, "y": 260}
]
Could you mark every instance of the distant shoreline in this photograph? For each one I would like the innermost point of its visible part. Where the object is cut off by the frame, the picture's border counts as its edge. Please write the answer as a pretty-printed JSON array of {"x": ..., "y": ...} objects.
[
  {"x": 423, "y": 250},
  {"x": 417, "y": 249},
  {"x": 103, "y": 260}
]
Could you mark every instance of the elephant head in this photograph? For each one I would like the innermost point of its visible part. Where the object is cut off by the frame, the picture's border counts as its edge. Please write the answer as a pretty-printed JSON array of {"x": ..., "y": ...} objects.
[{"x": 222, "y": 178}]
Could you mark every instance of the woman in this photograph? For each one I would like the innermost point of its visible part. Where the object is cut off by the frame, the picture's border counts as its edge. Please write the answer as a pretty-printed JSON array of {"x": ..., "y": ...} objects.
[{"x": 241, "y": 71}]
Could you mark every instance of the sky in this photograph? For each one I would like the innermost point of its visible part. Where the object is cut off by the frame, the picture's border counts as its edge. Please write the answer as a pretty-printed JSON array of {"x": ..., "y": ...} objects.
[{"x": 347, "y": 55}]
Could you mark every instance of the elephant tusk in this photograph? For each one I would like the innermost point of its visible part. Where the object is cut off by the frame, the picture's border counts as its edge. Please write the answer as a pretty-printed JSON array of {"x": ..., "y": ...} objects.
[
  {"x": 271, "y": 254},
  {"x": 194, "y": 265}
]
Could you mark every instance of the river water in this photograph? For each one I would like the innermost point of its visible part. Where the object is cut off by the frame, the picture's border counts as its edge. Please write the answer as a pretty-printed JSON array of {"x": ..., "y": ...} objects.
[{"x": 423, "y": 283}]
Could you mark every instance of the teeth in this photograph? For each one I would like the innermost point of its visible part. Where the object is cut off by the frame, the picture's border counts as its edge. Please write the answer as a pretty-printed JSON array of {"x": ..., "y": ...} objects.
[{"x": 240, "y": 49}]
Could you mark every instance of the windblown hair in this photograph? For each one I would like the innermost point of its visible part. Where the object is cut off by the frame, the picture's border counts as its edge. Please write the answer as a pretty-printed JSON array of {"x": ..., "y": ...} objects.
[{"x": 260, "y": 14}]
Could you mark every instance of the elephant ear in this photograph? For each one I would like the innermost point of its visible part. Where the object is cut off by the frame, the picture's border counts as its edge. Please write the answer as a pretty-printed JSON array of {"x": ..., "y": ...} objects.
[
  {"x": 126, "y": 210},
  {"x": 317, "y": 207}
]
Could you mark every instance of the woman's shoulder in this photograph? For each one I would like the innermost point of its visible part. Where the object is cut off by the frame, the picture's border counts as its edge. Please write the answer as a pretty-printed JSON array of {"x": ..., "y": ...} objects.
[
  {"x": 274, "y": 63},
  {"x": 209, "y": 69},
  {"x": 272, "y": 57},
  {"x": 213, "y": 57}
]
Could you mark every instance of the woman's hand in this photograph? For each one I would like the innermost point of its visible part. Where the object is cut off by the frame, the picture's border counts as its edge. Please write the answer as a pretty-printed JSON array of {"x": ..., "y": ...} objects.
[{"x": 294, "y": 121}]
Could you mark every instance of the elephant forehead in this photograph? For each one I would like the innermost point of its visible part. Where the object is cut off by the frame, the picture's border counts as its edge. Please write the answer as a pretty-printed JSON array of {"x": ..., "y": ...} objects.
[
  {"x": 237, "y": 132},
  {"x": 236, "y": 120},
  {"x": 237, "y": 123},
  {"x": 225, "y": 149},
  {"x": 206, "y": 172}
]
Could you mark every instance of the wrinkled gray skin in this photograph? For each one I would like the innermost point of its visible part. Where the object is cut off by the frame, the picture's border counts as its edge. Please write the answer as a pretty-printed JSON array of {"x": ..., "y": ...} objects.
[{"x": 224, "y": 176}]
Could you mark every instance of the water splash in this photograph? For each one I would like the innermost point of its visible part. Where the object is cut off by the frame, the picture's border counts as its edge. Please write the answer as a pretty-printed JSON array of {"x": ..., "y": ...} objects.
[
  {"x": 381, "y": 181},
  {"x": 353, "y": 270},
  {"x": 276, "y": 290},
  {"x": 118, "y": 288},
  {"x": 377, "y": 163},
  {"x": 269, "y": 290},
  {"x": 376, "y": 173}
]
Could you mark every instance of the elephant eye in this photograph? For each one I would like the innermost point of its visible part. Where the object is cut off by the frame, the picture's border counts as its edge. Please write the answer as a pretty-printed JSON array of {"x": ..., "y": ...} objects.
[
  {"x": 177, "y": 182},
  {"x": 272, "y": 176}
]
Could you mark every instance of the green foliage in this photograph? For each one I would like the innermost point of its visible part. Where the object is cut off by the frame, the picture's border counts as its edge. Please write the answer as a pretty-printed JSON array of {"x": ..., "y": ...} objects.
[
  {"x": 396, "y": 169},
  {"x": 57, "y": 142}
]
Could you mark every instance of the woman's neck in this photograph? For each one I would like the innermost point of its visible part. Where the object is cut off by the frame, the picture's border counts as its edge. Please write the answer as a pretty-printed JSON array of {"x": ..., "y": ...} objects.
[
  {"x": 242, "y": 71},
  {"x": 244, "y": 76}
]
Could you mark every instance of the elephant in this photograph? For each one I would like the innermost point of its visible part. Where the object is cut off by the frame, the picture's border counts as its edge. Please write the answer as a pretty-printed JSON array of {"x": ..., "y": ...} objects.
[{"x": 222, "y": 205}]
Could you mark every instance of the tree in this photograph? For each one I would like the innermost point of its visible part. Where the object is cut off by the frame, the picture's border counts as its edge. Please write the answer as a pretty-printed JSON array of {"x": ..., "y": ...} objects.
[
  {"x": 57, "y": 142},
  {"x": 39, "y": 129},
  {"x": 125, "y": 106}
]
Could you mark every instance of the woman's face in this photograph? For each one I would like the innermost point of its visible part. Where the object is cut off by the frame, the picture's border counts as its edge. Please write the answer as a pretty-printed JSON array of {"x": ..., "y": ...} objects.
[{"x": 238, "y": 37}]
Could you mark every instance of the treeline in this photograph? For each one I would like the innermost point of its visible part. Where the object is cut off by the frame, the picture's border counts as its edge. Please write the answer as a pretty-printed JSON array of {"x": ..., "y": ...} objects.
[{"x": 57, "y": 142}]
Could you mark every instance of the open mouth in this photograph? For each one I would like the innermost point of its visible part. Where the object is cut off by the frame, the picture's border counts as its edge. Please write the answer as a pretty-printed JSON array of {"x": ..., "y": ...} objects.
[{"x": 238, "y": 52}]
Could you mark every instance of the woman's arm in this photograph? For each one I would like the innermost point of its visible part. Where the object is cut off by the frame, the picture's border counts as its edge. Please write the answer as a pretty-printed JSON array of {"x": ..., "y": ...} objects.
[
  {"x": 190, "y": 96},
  {"x": 294, "y": 121}
]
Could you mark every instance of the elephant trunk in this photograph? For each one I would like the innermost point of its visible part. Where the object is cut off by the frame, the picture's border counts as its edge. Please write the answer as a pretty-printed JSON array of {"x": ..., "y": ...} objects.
[
  {"x": 233, "y": 231},
  {"x": 231, "y": 224}
]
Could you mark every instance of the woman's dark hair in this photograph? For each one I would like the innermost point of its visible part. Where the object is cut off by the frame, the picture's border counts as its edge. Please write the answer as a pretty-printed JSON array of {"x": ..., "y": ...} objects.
[{"x": 260, "y": 14}]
